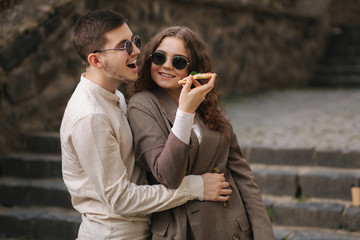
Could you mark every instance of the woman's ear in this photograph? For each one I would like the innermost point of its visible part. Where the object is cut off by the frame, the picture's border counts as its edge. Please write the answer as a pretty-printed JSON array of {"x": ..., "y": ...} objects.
[{"x": 94, "y": 60}]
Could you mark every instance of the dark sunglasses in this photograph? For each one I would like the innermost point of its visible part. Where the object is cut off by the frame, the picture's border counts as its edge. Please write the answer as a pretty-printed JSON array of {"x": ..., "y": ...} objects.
[
  {"x": 179, "y": 62},
  {"x": 128, "y": 46}
]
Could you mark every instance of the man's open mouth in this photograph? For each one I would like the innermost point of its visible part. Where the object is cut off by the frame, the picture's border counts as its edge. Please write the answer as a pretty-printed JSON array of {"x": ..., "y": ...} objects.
[{"x": 132, "y": 64}]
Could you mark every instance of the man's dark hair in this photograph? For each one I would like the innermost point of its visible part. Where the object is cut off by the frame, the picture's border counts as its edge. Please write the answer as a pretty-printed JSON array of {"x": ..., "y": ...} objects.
[{"x": 87, "y": 35}]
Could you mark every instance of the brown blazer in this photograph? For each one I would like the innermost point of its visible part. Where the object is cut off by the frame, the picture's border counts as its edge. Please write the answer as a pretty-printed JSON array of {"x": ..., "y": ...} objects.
[{"x": 167, "y": 160}]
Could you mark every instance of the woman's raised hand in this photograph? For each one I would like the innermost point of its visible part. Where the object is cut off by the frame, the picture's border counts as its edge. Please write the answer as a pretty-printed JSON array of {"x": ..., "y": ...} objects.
[{"x": 190, "y": 99}]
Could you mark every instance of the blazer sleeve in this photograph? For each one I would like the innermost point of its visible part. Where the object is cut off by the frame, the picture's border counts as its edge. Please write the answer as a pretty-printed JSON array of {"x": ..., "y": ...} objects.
[
  {"x": 250, "y": 193},
  {"x": 156, "y": 148}
]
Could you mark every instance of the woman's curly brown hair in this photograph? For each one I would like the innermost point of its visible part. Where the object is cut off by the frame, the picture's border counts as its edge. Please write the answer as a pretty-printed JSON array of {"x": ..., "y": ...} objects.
[{"x": 200, "y": 62}]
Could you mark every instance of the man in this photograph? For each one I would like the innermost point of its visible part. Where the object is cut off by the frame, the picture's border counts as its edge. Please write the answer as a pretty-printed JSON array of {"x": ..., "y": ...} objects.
[{"x": 99, "y": 169}]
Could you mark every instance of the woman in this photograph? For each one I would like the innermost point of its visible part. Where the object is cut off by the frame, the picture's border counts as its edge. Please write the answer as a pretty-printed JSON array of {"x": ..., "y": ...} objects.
[{"x": 211, "y": 146}]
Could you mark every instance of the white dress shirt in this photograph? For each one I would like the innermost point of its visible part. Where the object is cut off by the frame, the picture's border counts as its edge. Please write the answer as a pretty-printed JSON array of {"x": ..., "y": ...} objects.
[
  {"x": 183, "y": 124},
  {"x": 100, "y": 173}
]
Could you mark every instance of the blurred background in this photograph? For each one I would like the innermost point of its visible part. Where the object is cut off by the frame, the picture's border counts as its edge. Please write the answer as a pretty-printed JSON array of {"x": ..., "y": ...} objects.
[{"x": 288, "y": 73}]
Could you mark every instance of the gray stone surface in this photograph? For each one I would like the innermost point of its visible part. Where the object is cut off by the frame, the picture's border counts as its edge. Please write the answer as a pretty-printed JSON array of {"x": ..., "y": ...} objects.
[
  {"x": 338, "y": 158},
  {"x": 281, "y": 155},
  {"x": 322, "y": 235},
  {"x": 321, "y": 215},
  {"x": 289, "y": 233},
  {"x": 42, "y": 142},
  {"x": 43, "y": 192},
  {"x": 27, "y": 165},
  {"x": 283, "y": 182},
  {"x": 328, "y": 184},
  {"x": 303, "y": 118},
  {"x": 351, "y": 219},
  {"x": 39, "y": 223}
]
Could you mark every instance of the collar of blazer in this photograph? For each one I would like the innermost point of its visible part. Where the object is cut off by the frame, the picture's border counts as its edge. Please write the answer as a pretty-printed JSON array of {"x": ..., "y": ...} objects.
[{"x": 167, "y": 104}]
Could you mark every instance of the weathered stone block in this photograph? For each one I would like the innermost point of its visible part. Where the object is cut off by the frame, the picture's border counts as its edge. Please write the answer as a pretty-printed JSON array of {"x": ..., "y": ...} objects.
[
  {"x": 43, "y": 142},
  {"x": 352, "y": 159},
  {"x": 65, "y": 225},
  {"x": 13, "y": 226},
  {"x": 351, "y": 219},
  {"x": 278, "y": 182},
  {"x": 282, "y": 156},
  {"x": 13, "y": 192},
  {"x": 49, "y": 194},
  {"x": 322, "y": 215},
  {"x": 338, "y": 158},
  {"x": 12, "y": 117},
  {"x": 51, "y": 24},
  {"x": 317, "y": 235},
  {"x": 32, "y": 166},
  {"x": 328, "y": 158},
  {"x": 21, "y": 84},
  {"x": 13, "y": 54},
  {"x": 327, "y": 184}
]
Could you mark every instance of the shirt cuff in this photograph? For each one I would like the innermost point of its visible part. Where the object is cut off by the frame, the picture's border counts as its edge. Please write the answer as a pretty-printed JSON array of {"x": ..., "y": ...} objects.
[
  {"x": 183, "y": 125},
  {"x": 195, "y": 186}
]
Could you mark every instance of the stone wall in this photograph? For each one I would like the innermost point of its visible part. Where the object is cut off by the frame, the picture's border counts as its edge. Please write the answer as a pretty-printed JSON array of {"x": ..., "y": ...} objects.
[
  {"x": 345, "y": 12},
  {"x": 38, "y": 67},
  {"x": 254, "y": 46}
]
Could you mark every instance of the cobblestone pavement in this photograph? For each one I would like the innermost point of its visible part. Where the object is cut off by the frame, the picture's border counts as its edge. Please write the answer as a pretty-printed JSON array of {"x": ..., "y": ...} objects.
[{"x": 320, "y": 118}]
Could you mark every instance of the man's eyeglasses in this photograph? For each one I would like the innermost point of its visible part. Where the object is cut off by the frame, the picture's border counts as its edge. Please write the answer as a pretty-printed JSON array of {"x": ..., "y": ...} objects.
[
  {"x": 128, "y": 46},
  {"x": 179, "y": 62}
]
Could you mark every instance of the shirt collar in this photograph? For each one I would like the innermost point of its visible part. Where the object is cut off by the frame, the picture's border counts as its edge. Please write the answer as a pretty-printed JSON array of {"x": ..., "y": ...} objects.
[{"x": 111, "y": 97}]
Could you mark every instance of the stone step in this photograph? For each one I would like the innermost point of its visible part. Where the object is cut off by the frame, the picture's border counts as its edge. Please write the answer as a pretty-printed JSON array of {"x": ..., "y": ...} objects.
[
  {"x": 306, "y": 182},
  {"x": 42, "y": 142},
  {"x": 347, "y": 32},
  {"x": 298, "y": 175},
  {"x": 338, "y": 60},
  {"x": 344, "y": 39},
  {"x": 38, "y": 223},
  {"x": 40, "y": 192},
  {"x": 338, "y": 69},
  {"x": 339, "y": 80},
  {"x": 294, "y": 233},
  {"x": 343, "y": 50},
  {"x": 29, "y": 165},
  {"x": 287, "y": 156},
  {"x": 315, "y": 213}
]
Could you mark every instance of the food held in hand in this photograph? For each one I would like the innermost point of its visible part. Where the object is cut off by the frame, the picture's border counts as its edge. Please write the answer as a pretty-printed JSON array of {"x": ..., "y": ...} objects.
[{"x": 198, "y": 76}]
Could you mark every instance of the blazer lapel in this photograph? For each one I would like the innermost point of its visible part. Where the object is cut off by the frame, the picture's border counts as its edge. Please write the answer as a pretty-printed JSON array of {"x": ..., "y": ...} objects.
[
  {"x": 210, "y": 144},
  {"x": 167, "y": 104}
]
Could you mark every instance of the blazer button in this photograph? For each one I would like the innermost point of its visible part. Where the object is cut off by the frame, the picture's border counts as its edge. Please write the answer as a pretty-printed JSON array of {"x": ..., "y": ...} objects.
[
  {"x": 236, "y": 237},
  {"x": 216, "y": 170}
]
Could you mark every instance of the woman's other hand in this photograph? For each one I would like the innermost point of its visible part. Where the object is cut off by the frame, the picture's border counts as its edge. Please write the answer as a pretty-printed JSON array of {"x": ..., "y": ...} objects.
[{"x": 215, "y": 187}]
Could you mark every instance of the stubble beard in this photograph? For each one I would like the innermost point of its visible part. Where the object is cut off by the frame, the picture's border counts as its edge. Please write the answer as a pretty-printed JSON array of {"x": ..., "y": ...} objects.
[{"x": 115, "y": 75}]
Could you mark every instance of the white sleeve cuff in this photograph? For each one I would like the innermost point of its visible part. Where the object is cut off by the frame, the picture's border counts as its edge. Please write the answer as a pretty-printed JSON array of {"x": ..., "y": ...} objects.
[
  {"x": 183, "y": 125},
  {"x": 195, "y": 186}
]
